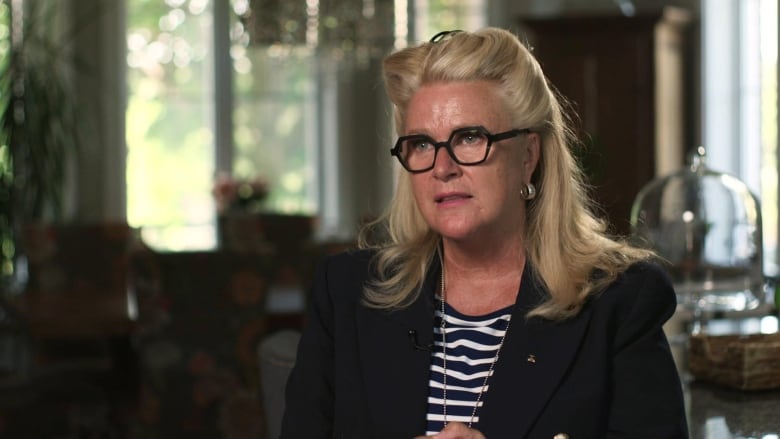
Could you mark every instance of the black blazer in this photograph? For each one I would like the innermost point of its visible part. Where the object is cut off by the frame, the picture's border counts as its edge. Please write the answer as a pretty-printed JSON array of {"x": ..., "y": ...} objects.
[{"x": 606, "y": 373}]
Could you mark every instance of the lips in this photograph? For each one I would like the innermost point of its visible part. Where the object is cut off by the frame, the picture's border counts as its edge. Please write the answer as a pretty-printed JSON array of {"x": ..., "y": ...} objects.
[{"x": 443, "y": 198}]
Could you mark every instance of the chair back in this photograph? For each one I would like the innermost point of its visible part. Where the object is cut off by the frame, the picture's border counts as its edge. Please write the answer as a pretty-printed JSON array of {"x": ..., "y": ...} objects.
[
  {"x": 201, "y": 317},
  {"x": 78, "y": 279}
]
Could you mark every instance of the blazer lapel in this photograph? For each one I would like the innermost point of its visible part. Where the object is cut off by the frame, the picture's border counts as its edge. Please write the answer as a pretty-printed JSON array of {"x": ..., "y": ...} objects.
[
  {"x": 395, "y": 356},
  {"x": 535, "y": 356}
]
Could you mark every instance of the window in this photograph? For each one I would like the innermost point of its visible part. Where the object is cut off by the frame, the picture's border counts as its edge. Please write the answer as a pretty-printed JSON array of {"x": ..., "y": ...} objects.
[
  {"x": 740, "y": 102},
  {"x": 434, "y": 16},
  {"x": 285, "y": 91},
  {"x": 170, "y": 128},
  {"x": 275, "y": 89}
]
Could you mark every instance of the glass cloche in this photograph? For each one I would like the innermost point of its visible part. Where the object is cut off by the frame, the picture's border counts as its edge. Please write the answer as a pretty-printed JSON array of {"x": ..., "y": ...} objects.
[{"x": 707, "y": 225}]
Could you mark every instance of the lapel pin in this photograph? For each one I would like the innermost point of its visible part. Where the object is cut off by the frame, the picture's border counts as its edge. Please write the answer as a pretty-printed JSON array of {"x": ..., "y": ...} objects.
[{"x": 531, "y": 358}]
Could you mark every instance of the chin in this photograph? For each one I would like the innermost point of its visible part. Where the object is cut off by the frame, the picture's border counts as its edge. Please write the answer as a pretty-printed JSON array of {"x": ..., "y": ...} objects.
[{"x": 456, "y": 233}]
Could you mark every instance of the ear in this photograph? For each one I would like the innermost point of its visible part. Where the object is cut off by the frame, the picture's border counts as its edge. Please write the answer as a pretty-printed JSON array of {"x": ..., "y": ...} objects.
[{"x": 531, "y": 157}]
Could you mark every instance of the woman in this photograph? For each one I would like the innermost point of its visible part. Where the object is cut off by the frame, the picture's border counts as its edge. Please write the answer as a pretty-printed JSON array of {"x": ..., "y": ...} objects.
[{"x": 494, "y": 305}]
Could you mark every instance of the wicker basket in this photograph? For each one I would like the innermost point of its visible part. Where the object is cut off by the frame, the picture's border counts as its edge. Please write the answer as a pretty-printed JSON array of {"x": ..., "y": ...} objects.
[{"x": 746, "y": 362}]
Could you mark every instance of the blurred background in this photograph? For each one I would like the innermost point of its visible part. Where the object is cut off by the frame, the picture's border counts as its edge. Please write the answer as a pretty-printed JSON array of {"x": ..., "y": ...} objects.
[{"x": 171, "y": 171}]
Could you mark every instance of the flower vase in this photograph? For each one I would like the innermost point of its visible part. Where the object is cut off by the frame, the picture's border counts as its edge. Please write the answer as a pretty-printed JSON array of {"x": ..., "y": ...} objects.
[{"x": 242, "y": 231}]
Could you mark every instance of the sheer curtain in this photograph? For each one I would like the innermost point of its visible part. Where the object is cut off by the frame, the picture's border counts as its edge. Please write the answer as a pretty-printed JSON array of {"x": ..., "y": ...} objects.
[{"x": 739, "y": 101}]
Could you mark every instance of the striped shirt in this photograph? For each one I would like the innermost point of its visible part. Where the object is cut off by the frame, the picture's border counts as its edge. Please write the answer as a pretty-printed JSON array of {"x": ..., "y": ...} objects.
[{"x": 472, "y": 344}]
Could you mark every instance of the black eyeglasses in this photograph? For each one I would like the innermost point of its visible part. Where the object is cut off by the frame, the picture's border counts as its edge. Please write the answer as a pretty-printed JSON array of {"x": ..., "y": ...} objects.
[{"x": 467, "y": 146}]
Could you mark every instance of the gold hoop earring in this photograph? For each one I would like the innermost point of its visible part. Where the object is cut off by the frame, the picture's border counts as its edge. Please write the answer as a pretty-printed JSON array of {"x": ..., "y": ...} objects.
[{"x": 528, "y": 191}]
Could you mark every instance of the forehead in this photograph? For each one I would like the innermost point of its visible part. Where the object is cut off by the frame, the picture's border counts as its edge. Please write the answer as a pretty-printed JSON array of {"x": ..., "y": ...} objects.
[{"x": 450, "y": 105}]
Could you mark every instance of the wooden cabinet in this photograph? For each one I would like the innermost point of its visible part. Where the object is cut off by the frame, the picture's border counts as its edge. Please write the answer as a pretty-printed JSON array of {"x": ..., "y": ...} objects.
[{"x": 624, "y": 77}]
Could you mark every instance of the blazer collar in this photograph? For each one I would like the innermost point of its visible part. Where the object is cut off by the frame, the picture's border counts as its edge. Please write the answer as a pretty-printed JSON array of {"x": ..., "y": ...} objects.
[{"x": 533, "y": 361}]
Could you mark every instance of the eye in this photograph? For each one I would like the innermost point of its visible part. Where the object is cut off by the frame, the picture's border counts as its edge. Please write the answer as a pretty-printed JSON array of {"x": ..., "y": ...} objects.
[
  {"x": 419, "y": 144},
  {"x": 469, "y": 137}
]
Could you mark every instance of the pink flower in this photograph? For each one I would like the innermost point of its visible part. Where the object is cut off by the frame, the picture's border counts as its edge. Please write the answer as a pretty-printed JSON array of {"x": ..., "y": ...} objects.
[{"x": 241, "y": 195}]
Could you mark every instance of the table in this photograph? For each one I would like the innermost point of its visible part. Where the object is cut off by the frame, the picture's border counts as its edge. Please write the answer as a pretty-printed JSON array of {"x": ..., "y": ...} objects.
[{"x": 718, "y": 412}]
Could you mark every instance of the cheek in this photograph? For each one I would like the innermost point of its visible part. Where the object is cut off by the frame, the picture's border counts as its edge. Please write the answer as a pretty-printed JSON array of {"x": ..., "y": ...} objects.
[
  {"x": 508, "y": 181},
  {"x": 508, "y": 192},
  {"x": 419, "y": 190}
]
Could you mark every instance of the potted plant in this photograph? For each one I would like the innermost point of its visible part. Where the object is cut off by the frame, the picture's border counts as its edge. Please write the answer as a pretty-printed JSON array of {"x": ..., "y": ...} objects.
[{"x": 39, "y": 127}]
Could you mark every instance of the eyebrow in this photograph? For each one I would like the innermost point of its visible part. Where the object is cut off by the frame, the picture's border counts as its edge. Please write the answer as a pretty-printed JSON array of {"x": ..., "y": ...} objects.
[{"x": 423, "y": 133}]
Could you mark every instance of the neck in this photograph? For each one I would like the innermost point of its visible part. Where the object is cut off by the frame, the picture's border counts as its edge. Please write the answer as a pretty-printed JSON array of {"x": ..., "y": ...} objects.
[
  {"x": 506, "y": 250},
  {"x": 477, "y": 286}
]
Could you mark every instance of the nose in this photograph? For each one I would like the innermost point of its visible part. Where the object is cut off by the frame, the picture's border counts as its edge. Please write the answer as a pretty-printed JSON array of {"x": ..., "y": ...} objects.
[{"x": 444, "y": 166}]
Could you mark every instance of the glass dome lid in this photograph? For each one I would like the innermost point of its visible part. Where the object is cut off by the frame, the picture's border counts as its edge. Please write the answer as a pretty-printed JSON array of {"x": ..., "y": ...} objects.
[{"x": 707, "y": 226}]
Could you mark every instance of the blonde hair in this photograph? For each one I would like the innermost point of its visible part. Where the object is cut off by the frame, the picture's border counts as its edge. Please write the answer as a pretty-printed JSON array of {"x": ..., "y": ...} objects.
[{"x": 566, "y": 251}]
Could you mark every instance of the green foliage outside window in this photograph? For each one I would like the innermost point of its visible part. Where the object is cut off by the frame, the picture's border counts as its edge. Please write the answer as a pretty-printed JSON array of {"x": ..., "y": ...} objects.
[
  {"x": 168, "y": 132},
  {"x": 171, "y": 144}
]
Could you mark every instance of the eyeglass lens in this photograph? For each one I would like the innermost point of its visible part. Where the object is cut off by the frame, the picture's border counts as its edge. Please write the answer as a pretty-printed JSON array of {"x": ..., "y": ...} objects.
[{"x": 468, "y": 146}]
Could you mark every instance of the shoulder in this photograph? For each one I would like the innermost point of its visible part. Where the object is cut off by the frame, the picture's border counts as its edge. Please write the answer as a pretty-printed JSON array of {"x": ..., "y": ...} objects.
[
  {"x": 342, "y": 274},
  {"x": 643, "y": 275},
  {"x": 644, "y": 280},
  {"x": 347, "y": 262},
  {"x": 640, "y": 298}
]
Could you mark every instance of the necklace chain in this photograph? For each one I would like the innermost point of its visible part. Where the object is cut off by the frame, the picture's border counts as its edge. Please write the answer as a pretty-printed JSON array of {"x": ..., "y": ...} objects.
[{"x": 443, "y": 326}]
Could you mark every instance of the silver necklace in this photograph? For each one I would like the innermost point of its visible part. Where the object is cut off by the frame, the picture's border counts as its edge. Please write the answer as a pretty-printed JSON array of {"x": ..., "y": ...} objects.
[{"x": 444, "y": 355}]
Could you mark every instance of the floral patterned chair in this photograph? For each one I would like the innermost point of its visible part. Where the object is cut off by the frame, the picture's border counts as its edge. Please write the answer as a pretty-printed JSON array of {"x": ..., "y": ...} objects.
[
  {"x": 290, "y": 239},
  {"x": 78, "y": 275},
  {"x": 201, "y": 316},
  {"x": 77, "y": 317}
]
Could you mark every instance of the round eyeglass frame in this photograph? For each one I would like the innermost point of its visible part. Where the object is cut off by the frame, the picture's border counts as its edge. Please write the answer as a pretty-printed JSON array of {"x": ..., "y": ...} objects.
[{"x": 491, "y": 138}]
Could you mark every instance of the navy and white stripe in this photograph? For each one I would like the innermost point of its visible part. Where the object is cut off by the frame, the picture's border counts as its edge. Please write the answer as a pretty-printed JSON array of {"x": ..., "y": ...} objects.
[{"x": 472, "y": 344}]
